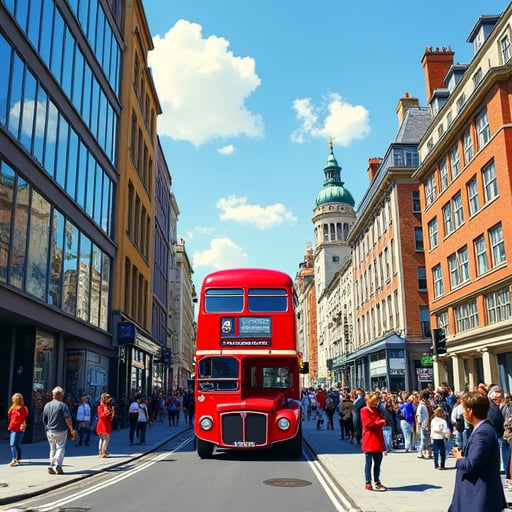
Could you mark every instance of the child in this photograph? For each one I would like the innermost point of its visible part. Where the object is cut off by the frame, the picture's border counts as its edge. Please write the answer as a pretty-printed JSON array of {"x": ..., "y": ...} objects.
[{"x": 439, "y": 432}]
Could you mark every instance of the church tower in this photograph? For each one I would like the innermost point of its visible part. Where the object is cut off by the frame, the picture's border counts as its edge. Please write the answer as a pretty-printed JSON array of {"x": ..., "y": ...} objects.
[{"x": 333, "y": 217}]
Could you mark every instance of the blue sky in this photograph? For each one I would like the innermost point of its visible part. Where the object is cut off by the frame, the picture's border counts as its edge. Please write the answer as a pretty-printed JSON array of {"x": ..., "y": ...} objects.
[{"x": 251, "y": 93}]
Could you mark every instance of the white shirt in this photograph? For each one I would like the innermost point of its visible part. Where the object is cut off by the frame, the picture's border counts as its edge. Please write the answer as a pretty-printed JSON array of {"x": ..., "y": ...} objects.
[{"x": 83, "y": 412}]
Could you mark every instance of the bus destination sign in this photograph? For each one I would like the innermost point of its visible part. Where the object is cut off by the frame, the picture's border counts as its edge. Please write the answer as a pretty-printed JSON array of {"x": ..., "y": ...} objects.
[{"x": 246, "y": 331}]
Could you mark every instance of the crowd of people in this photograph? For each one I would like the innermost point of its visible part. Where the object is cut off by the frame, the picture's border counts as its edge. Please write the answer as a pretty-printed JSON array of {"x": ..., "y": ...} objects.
[{"x": 382, "y": 421}]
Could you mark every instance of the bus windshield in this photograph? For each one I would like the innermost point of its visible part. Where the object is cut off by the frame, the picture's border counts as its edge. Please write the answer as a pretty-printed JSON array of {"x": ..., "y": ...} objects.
[{"x": 218, "y": 374}]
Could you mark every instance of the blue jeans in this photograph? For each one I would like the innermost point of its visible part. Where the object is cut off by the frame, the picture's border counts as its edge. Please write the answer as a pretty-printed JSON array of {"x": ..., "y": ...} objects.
[
  {"x": 439, "y": 450},
  {"x": 376, "y": 458},
  {"x": 15, "y": 443},
  {"x": 424, "y": 441},
  {"x": 408, "y": 433},
  {"x": 505, "y": 457}
]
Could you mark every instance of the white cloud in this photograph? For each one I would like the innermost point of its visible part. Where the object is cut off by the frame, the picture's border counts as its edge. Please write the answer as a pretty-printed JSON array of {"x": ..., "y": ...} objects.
[
  {"x": 238, "y": 210},
  {"x": 202, "y": 86},
  {"x": 28, "y": 115},
  {"x": 223, "y": 253},
  {"x": 334, "y": 117},
  {"x": 226, "y": 150}
]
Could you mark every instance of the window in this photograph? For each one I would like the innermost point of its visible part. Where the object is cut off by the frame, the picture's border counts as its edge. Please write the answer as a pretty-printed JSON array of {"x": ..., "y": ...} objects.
[
  {"x": 422, "y": 279},
  {"x": 454, "y": 271},
  {"x": 267, "y": 300},
  {"x": 442, "y": 321},
  {"x": 458, "y": 212},
  {"x": 481, "y": 256},
  {"x": 459, "y": 267},
  {"x": 460, "y": 102},
  {"x": 473, "y": 202},
  {"x": 453, "y": 214},
  {"x": 455, "y": 161},
  {"x": 467, "y": 142},
  {"x": 477, "y": 77},
  {"x": 416, "y": 206},
  {"x": 433, "y": 234},
  {"x": 463, "y": 264},
  {"x": 498, "y": 306},
  {"x": 505, "y": 49},
  {"x": 437, "y": 276},
  {"x": 443, "y": 174},
  {"x": 497, "y": 245},
  {"x": 466, "y": 316},
  {"x": 490, "y": 182},
  {"x": 430, "y": 190},
  {"x": 229, "y": 300},
  {"x": 483, "y": 130},
  {"x": 418, "y": 237},
  {"x": 447, "y": 219}
]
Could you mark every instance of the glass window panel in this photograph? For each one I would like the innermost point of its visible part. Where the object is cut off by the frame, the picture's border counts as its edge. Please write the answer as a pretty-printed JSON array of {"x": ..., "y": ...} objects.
[
  {"x": 89, "y": 198},
  {"x": 40, "y": 122},
  {"x": 86, "y": 95},
  {"x": 115, "y": 57},
  {"x": 72, "y": 164},
  {"x": 70, "y": 268},
  {"x": 19, "y": 234},
  {"x": 56, "y": 260},
  {"x": 45, "y": 40},
  {"x": 57, "y": 45},
  {"x": 102, "y": 121},
  {"x": 83, "y": 156},
  {"x": 5, "y": 59},
  {"x": 7, "y": 184},
  {"x": 98, "y": 192},
  {"x": 105, "y": 209},
  {"x": 91, "y": 28},
  {"x": 100, "y": 36},
  {"x": 95, "y": 293},
  {"x": 51, "y": 137},
  {"x": 95, "y": 105},
  {"x": 21, "y": 13},
  {"x": 68, "y": 60},
  {"x": 107, "y": 53},
  {"x": 14, "y": 102},
  {"x": 84, "y": 278},
  {"x": 34, "y": 22},
  {"x": 9, "y": 4},
  {"x": 78, "y": 78},
  {"x": 62, "y": 152},
  {"x": 105, "y": 292},
  {"x": 37, "y": 258},
  {"x": 29, "y": 102},
  {"x": 83, "y": 14}
]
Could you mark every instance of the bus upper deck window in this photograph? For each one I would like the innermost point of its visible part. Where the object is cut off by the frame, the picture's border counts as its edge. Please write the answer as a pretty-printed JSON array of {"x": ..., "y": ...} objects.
[
  {"x": 270, "y": 300},
  {"x": 224, "y": 300}
]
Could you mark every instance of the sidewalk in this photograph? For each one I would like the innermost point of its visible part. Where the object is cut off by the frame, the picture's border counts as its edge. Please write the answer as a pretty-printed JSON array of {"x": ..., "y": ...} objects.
[
  {"x": 32, "y": 478},
  {"x": 413, "y": 484}
]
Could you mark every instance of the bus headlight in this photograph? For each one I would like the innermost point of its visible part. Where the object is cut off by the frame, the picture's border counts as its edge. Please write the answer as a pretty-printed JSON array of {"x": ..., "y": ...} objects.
[
  {"x": 206, "y": 423},
  {"x": 283, "y": 423}
]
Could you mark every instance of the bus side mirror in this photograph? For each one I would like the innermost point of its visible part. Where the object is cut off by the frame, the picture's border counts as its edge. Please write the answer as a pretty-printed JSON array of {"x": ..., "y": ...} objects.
[{"x": 305, "y": 367}]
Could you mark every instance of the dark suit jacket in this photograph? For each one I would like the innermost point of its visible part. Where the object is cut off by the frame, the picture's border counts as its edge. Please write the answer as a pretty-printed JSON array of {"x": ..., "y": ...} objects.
[{"x": 478, "y": 486}]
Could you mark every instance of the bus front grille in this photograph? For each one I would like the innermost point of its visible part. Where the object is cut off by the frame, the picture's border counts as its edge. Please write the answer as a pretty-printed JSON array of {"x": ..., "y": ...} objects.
[{"x": 244, "y": 429}]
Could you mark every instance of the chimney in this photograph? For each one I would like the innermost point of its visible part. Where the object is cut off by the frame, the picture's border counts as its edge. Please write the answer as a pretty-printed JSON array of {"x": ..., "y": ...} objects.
[
  {"x": 404, "y": 104},
  {"x": 436, "y": 63},
  {"x": 373, "y": 167}
]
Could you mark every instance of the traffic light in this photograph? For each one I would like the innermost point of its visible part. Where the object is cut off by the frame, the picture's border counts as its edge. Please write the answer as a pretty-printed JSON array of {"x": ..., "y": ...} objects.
[{"x": 439, "y": 342}]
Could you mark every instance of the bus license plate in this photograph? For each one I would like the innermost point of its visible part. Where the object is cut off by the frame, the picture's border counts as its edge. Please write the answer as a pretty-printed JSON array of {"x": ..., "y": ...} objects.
[{"x": 244, "y": 444}]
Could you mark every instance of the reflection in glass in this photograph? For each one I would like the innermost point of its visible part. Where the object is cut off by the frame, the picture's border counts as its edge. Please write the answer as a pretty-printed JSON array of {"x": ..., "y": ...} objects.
[
  {"x": 84, "y": 278},
  {"x": 89, "y": 191},
  {"x": 27, "y": 121},
  {"x": 14, "y": 104},
  {"x": 70, "y": 268},
  {"x": 5, "y": 59},
  {"x": 68, "y": 59},
  {"x": 105, "y": 287},
  {"x": 56, "y": 253},
  {"x": 98, "y": 193},
  {"x": 34, "y": 21},
  {"x": 95, "y": 105},
  {"x": 45, "y": 43},
  {"x": 105, "y": 209},
  {"x": 95, "y": 285},
  {"x": 72, "y": 163},
  {"x": 62, "y": 149},
  {"x": 38, "y": 246},
  {"x": 57, "y": 45},
  {"x": 86, "y": 96},
  {"x": 40, "y": 121},
  {"x": 7, "y": 183},
  {"x": 82, "y": 175},
  {"x": 51, "y": 138},
  {"x": 19, "y": 234},
  {"x": 78, "y": 79}
]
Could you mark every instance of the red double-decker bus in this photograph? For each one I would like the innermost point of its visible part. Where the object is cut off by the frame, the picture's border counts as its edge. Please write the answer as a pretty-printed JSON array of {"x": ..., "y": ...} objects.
[{"x": 247, "y": 385}]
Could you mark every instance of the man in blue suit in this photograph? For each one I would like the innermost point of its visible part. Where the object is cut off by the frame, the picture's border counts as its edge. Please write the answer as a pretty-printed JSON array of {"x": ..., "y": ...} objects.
[{"x": 478, "y": 486}]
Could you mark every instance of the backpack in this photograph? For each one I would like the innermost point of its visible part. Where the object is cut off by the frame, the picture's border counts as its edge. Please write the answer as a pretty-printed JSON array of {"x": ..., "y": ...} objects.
[{"x": 459, "y": 423}]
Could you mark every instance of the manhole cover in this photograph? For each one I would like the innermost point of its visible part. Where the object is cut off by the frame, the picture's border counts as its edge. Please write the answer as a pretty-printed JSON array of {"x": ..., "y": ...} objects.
[{"x": 287, "y": 482}]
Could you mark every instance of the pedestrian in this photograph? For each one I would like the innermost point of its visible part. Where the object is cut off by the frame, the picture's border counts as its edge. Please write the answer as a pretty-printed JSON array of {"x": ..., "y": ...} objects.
[
  {"x": 320, "y": 397},
  {"x": 133, "y": 417},
  {"x": 57, "y": 422},
  {"x": 143, "y": 419},
  {"x": 83, "y": 419},
  {"x": 190, "y": 406},
  {"x": 173, "y": 405},
  {"x": 423, "y": 425},
  {"x": 478, "y": 484},
  {"x": 105, "y": 414},
  {"x": 406, "y": 413},
  {"x": 17, "y": 415},
  {"x": 329, "y": 411},
  {"x": 359, "y": 403},
  {"x": 373, "y": 444},
  {"x": 346, "y": 425},
  {"x": 439, "y": 433}
]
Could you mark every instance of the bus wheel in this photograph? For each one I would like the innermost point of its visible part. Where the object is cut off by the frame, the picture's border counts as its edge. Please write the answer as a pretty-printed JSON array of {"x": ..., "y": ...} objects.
[
  {"x": 295, "y": 446},
  {"x": 204, "y": 448}
]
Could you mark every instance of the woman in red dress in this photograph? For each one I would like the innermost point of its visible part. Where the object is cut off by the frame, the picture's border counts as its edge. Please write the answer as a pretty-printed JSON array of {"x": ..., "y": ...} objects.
[
  {"x": 17, "y": 414},
  {"x": 373, "y": 444},
  {"x": 104, "y": 426}
]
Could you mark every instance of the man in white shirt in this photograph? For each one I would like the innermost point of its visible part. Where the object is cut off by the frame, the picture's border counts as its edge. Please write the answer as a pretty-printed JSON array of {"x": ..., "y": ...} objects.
[{"x": 83, "y": 418}]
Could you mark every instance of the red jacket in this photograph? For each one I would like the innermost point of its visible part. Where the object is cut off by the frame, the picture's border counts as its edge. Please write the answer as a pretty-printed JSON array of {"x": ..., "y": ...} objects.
[{"x": 372, "y": 422}]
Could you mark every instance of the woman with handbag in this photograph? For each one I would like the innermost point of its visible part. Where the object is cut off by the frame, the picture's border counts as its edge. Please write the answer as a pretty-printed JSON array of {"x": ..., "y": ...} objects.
[
  {"x": 17, "y": 414},
  {"x": 104, "y": 426}
]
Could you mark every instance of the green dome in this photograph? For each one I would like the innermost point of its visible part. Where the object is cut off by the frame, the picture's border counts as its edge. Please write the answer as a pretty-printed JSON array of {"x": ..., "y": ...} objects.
[{"x": 333, "y": 190}]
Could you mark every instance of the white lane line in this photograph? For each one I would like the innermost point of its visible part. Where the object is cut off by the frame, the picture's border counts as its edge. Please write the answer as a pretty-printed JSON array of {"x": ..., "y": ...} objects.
[
  {"x": 337, "y": 498},
  {"x": 129, "y": 473}
]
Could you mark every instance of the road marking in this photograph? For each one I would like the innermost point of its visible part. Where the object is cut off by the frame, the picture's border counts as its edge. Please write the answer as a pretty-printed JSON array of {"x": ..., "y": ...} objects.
[{"x": 129, "y": 473}]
